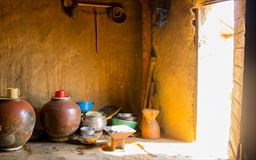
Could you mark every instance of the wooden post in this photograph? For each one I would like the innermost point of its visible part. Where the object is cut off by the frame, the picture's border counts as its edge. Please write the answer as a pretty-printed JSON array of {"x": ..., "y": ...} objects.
[{"x": 146, "y": 47}]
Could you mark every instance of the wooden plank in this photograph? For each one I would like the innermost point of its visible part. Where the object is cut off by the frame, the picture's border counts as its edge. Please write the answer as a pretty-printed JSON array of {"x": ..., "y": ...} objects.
[
  {"x": 237, "y": 92},
  {"x": 231, "y": 153},
  {"x": 237, "y": 95},
  {"x": 238, "y": 75},
  {"x": 239, "y": 25},
  {"x": 236, "y": 109},
  {"x": 239, "y": 40},
  {"x": 209, "y": 2},
  {"x": 235, "y": 134},
  {"x": 239, "y": 57},
  {"x": 239, "y": 8}
]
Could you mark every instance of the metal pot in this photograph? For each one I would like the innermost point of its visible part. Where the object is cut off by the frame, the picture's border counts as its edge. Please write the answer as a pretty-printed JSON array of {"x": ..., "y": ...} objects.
[{"x": 94, "y": 119}]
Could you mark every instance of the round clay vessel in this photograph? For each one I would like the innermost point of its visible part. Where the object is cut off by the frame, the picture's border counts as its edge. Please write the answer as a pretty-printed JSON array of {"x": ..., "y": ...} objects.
[
  {"x": 60, "y": 118},
  {"x": 17, "y": 121}
]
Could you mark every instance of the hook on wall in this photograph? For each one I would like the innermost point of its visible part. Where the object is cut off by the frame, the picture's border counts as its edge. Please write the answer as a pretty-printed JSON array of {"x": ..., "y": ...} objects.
[
  {"x": 161, "y": 17},
  {"x": 117, "y": 14},
  {"x": 115, "y": 10},
  {"x": 161, "y": 11}
]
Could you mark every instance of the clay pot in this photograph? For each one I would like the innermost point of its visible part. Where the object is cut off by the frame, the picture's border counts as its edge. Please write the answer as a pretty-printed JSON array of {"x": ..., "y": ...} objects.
[
  {"x": 149, "y": 125},
  {"x": 17, "y": 121},
  {"x": 60, "y": 117}
]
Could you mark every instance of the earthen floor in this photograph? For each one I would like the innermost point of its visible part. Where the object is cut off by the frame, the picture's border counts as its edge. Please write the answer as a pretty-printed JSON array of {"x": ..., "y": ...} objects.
[{"x": 135, "y": 149}]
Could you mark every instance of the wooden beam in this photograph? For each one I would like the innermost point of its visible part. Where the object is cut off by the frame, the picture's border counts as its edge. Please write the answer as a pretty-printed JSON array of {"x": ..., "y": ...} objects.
[{"x": 146, "y": 46}]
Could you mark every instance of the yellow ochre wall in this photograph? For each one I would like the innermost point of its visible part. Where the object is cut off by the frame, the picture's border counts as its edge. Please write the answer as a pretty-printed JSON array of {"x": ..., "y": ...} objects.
[
  {"x": 42, "y": 49},
  {"x": 176, "y": 72}
]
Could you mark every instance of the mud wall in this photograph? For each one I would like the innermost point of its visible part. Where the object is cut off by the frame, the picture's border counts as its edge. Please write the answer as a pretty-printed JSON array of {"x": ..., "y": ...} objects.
[
  {"x": 176, "y": 71},
  {"x": 42, "y": 50}
]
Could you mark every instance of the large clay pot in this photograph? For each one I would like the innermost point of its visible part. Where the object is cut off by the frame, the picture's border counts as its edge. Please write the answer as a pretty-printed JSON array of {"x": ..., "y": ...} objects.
[
  {"x": 60, "y": 117},
  {"x": 17, "y": 121}
]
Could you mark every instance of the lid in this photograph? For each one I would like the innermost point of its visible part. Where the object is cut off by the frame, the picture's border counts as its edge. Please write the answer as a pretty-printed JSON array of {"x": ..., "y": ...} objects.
[
  {"x": 60, "y": 95},
  {"x": 12, "y": 93},
  {"x": 94, "y": 113}
]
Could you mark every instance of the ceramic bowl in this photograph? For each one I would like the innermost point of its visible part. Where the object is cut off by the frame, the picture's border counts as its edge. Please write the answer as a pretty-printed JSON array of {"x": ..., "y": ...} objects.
[
  {"x": 116, "y": 121},
  {"x": 88, "y": 140},
  {"x": 87, "y": 131},
  {"x": 126, "y": 116}
]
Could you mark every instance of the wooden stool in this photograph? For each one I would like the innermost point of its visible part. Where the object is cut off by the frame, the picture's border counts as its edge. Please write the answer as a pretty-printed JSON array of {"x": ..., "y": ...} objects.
[
  {"x": 118, "y": 135},
  {"x": 117, "y": 143}
]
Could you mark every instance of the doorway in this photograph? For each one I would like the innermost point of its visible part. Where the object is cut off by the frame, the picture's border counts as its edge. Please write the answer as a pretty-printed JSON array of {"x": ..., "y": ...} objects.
[{"x": 215, "y": 75}]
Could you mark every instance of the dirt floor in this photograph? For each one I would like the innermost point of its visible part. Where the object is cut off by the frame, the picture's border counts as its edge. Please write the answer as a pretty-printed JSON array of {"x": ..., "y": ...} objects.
[{"x": 135, "y": 149}]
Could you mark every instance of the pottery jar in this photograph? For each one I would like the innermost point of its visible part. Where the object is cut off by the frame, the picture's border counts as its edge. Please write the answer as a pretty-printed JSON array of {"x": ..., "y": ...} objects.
[
  {"x": 149, "y": 126},
  {"x": 17, "y": 120},
  {"x": 60, "y": 117}
]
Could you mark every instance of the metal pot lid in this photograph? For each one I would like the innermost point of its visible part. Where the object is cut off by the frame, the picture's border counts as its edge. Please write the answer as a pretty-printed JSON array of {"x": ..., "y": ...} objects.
[{"x": 94, "y": 113}]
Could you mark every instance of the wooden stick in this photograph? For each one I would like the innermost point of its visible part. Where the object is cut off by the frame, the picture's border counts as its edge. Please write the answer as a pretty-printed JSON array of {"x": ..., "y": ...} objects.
[
  {"x": 96, "y": 30},
  {"x": 150, "y": 73},
  {"x": 84, "y": 4},
  {"x": 151, "y": 96},
  {"x": 146, "y": 47}
]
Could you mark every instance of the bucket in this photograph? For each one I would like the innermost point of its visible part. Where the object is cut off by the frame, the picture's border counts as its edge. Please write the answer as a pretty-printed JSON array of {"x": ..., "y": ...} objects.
[{"x": 85, "y": 106}]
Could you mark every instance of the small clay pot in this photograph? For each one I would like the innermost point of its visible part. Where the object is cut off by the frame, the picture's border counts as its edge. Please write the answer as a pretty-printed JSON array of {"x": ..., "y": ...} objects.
[
  {"x": 60, "y": 117},
  {"x": 17, "y": 121},
  {"x": 149, "y": 126}
]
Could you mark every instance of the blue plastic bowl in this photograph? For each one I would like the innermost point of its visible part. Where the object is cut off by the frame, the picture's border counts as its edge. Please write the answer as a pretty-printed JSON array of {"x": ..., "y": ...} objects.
[{"x": 85, "y": 106}]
